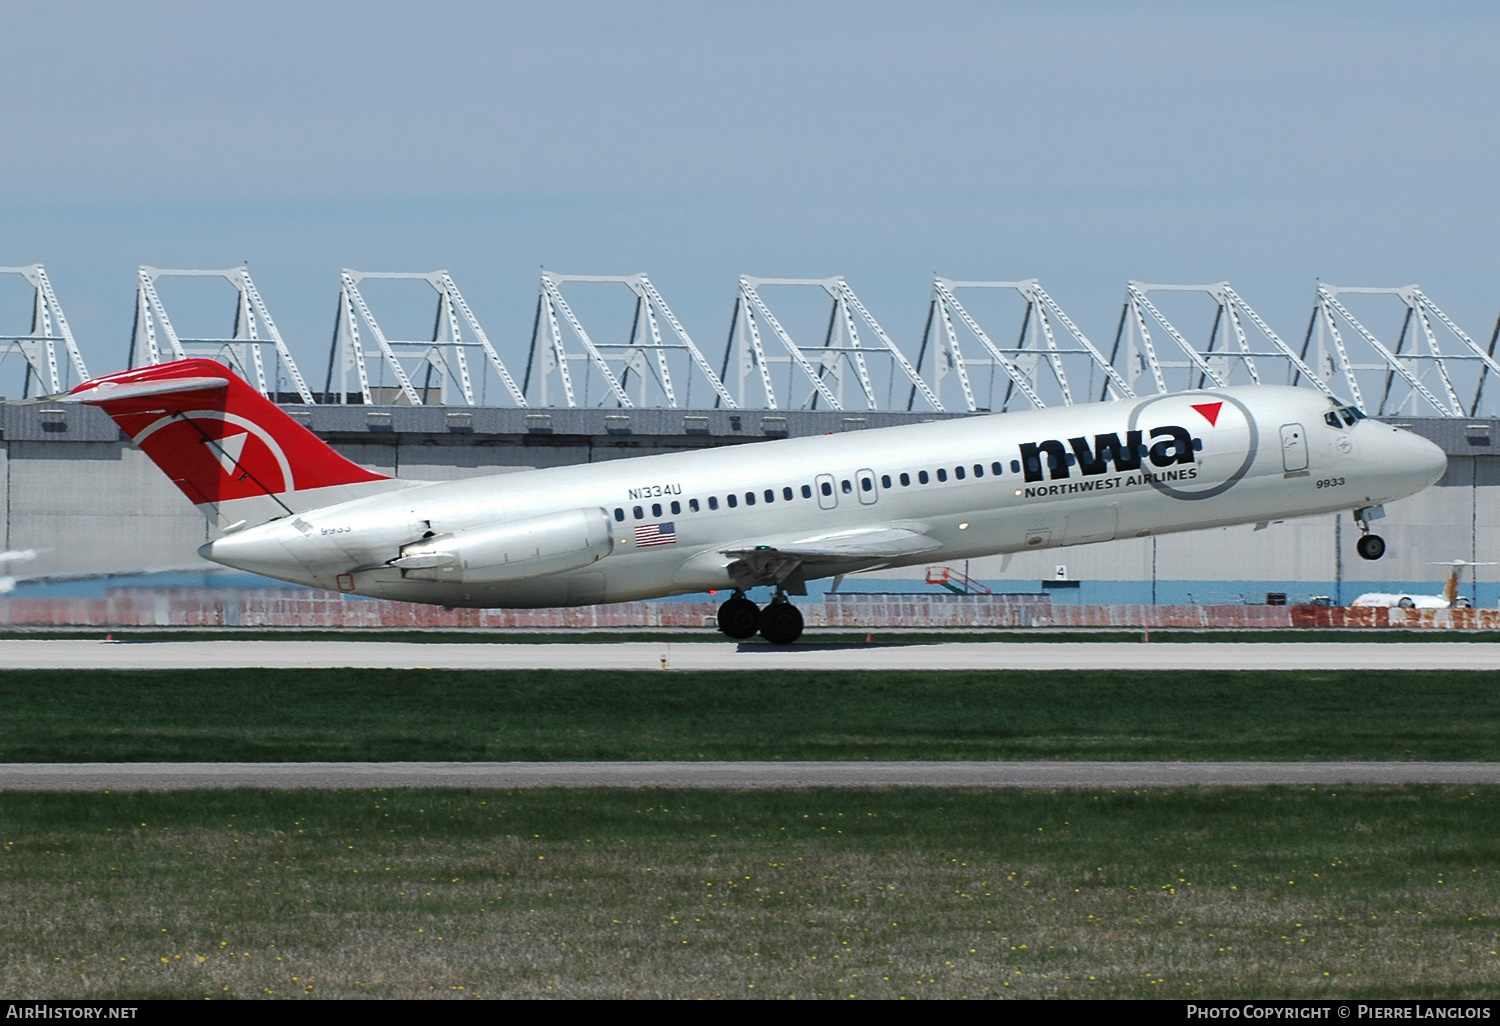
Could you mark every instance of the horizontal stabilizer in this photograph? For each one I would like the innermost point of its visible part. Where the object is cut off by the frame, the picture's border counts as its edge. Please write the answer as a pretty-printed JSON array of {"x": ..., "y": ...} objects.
[{"x": 104, "y": 391}]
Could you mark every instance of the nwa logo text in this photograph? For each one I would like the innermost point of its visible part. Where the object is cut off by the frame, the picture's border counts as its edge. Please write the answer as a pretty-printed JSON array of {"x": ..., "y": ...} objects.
[{"x": 1171, "y": 446}]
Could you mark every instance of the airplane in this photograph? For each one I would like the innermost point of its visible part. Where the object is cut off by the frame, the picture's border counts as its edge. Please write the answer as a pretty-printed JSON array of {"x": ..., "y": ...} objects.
[
  {"x": 774, "y": 514},
  {"x": 8, "y": 580},
  {"x": 1449, "y": 599}
]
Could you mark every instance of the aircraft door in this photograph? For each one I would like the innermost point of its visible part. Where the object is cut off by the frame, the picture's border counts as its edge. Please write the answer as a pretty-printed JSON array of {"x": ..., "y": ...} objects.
[
  {"x": 1293, "y": 448},
  {"x": 828, "y": 496},
  {"x": 868, "y": 491}
]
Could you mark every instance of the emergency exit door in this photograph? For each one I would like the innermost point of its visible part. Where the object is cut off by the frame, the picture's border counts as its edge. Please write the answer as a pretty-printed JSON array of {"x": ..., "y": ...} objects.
[{"x": 828, "y": 498}]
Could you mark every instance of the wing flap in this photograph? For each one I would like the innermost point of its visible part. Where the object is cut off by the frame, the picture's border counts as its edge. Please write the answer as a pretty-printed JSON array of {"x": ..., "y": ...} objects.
[{"x": 880, "y": 543}]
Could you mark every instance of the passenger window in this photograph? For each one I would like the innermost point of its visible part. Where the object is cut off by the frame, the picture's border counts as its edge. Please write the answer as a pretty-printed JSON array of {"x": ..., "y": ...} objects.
[
  {"x": 995, "y": 468},
  {"x": 885, "y": 480},
  {"x": 770, "y": 495},
  {"x": 749, "y": 498},
  {"x": 639, "y": 513},
  {"x": 827, "y": 488},
  {"x": 786, "y": 493},
  {"x": 733, "y": 502},
  {"x": 1015, "y": 466},
  {"x": 656, "y": 509},
  {"x": 921, "y": 477},
  {"x": 866, "y": 484},
  {"x": 905, "y": 480},
  {"x": 807, "y": 491},
  {"x": 942, "y": 474},
  {"x": 958, "y": 472},
  {"x": 713, "y": 502},
  {"x": 676, "y": 508},
  {"x": 619, "y": 514},
  {"x": 693, "y": 505},
  {"x": 846, "y": 486},
  {"x": 979, "y": 470}
]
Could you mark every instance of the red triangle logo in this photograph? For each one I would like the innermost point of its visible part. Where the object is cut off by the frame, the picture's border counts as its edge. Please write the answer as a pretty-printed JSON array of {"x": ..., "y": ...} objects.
[{"x": 1210, "y": 412}]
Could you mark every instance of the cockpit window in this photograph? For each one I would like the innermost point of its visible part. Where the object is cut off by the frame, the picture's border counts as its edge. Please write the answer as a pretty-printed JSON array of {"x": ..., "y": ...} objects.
[{"x": 1344, "y": 416}]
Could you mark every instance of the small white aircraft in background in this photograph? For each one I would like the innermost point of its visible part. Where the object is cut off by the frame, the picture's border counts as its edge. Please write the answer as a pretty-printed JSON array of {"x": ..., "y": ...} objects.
[
  {"x": 1449, "y": 599},
  {"x": 8, "y": 581}
]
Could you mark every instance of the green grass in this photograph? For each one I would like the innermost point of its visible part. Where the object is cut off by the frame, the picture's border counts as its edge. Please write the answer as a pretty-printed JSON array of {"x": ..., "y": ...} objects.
[
  {"x": 1310, "y": 893},
  {"x": 282, "y": 715}
]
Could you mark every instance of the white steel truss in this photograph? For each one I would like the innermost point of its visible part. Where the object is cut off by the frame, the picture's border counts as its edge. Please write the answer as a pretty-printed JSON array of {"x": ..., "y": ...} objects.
[
  {"x": 842, "y": 356},
  {"x": 38, "y": 347},
  {"x": 1232, "y": 354},
  {"x": 457, "y": 339},
  {"x": 1432, "y": 365},
  {"x": 646, "y": 352},
  {"x": 242, "y": 351},
  {"x": 1038, "y": 346}
]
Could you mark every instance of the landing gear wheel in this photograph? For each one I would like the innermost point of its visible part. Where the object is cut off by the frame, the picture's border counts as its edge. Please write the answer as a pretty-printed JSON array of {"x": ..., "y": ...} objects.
[
  {"x": 739, "y": 617},
  {"x": 780, "y": 623},
  {"x": 1371, "y": 546}
]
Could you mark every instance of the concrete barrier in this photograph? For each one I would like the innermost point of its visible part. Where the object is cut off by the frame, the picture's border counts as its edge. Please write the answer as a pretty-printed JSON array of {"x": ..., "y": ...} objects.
[{"x": 272, "y": 607}]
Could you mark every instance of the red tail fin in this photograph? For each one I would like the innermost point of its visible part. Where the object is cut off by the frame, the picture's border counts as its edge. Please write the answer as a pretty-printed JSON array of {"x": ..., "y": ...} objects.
[{"x": 217, "y": 438}]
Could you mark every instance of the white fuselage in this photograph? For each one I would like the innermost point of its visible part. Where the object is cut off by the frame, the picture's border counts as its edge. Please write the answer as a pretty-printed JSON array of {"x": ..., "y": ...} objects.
[{"x": 1257, "y": 454}]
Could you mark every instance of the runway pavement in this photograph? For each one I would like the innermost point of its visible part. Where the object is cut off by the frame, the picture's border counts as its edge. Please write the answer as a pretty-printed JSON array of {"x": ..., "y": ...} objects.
[
  {"x": 726, "y": 655},
  {"x": 512, "y": 775}
]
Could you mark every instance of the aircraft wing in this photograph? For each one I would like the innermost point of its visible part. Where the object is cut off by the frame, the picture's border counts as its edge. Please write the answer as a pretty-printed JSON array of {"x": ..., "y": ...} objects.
[
  {"x": 786, "y": 562},
  {"x": 877, "y": 543}
]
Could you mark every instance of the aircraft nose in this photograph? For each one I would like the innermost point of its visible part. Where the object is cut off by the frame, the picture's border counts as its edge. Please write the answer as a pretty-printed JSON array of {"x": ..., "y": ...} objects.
[{"x": 1420, "y": 457}]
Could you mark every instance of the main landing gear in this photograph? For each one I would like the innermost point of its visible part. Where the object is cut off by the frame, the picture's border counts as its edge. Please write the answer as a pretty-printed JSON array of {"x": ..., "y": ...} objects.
[
  {"x": 780, "y": 622},
  {"x": 1369, "y": 546},
  {"x": 739, "y": 617}
]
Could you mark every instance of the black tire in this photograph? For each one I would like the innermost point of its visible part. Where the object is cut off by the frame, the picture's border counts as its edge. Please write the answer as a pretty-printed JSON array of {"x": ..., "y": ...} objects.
[
  {"x": 780, "y": 623},
  {"x": 1371, "y": 546},
  {"x": 1461, "y": 603},
  {"x": 739, "y": 618},
  {"x": 1406, "y": 603}
]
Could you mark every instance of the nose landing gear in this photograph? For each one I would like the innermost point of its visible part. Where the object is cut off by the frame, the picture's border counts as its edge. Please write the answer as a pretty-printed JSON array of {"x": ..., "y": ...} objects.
[{"x": 1369, "y": 546}]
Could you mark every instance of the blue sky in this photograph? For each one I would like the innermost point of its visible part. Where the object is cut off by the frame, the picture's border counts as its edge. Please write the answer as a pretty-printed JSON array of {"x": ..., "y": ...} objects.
[{"x": 1082, "y": 143}]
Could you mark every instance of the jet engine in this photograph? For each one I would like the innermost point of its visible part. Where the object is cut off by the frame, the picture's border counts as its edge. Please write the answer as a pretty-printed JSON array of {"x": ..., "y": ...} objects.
[{"x": 511, "y": 551}]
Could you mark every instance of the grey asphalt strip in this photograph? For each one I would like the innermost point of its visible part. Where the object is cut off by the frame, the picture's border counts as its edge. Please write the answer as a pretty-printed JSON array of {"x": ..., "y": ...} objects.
[
  {"x": 725, "y": 655},
  {"x": 512, "y": 775}
]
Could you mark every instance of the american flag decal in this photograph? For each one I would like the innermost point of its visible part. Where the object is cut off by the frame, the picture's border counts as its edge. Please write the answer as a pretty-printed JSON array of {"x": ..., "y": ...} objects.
[{"x": 655, "y": 534}]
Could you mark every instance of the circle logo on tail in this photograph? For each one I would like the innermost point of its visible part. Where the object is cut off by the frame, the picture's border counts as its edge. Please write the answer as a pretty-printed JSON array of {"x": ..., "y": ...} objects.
[
  {"x": 209, "y": 449},
  {"x": 1226, "y": 429}
]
